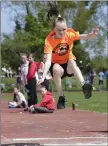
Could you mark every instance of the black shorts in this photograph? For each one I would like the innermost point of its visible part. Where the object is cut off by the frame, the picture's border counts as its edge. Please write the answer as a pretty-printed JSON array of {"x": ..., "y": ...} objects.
[{"x": 64, "y": 66}]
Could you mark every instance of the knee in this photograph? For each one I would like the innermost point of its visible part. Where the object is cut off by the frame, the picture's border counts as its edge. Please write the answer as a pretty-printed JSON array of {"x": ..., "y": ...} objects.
[
  {"x": 72, "y": 63},
  {"x": 56, "y": 69}
]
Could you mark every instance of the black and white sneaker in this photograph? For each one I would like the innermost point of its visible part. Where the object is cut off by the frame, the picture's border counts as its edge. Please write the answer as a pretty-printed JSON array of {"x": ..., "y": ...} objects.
[
  {"x": 61, "y": 102},
  {"x": 32, "y": 110},
  {"x": 87, "y": 90},
  {"x": 26, "y": 109}
]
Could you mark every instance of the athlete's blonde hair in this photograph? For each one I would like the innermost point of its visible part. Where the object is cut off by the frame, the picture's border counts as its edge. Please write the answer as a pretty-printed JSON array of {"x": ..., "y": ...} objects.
[{"x": 59, "y": 19}]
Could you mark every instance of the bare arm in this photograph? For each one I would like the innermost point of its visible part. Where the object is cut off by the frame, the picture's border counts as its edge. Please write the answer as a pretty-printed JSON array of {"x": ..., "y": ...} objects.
[
  {"x": 46, "y": 67},
  {"x": 90, "y": 35}
]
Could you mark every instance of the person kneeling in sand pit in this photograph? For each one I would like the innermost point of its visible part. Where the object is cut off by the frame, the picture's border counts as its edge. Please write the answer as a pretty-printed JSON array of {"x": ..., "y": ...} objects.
[
  {"x": 19, "y": 100},
  {"x": 47, "y": 104}
]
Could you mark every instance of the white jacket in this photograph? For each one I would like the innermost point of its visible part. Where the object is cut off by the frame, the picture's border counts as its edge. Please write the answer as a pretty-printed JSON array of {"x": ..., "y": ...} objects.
[
  {"x": 20, "y": 97},
  {"x": 24, "y": 72}
]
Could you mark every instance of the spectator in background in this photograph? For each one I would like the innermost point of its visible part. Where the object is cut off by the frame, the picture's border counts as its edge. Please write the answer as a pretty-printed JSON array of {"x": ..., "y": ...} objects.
[
  {"x": 92, "y": 75},
  {"x": 4, "y": 69},
  {"x": 10, "y": 72},
  {"x": 31, "y": 80},
  {"x": 19, "y": 78},
  {"x": 94, "y": 80},
  {"x": 106, "y": 76},
  {"x": 47, "y": 104},
  {"x": 19, "y": 100},
  {"x": 88, "y": 69},
  {"x": 101, "y": 78},
  {"x": 69, "y": 83},
  {"x": 2, "y": 86},
  {"x": 7, "y": 73},
  {"x": 40, "y": 73},
  {"x": 24, "y": 70}
]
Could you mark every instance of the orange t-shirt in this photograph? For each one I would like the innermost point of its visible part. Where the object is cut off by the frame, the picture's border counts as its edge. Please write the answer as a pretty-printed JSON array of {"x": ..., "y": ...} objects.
[{"x": 61, "y": 49}]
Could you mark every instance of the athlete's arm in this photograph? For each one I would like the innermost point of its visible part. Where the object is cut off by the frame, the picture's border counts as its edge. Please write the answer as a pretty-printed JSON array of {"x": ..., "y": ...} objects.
[
  {"x": 90, "y": 35},
  {"x": 46, "y": 67},
  {"x": 47, "y": 64}
]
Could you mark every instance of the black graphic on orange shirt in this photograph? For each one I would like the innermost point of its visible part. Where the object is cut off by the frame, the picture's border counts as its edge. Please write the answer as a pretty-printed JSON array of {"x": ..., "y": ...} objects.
[{"x": 61, "y": 49}]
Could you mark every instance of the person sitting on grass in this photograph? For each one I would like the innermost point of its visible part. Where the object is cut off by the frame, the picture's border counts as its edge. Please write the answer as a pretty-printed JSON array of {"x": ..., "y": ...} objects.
[
  {"x": 19, "y": 100},
  {"x": 47, "y": 104}
]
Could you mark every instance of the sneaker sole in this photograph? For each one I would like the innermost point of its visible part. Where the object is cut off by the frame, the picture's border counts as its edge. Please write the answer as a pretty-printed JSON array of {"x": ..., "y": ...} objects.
[
  {"x": 60, "y": 107},
  {"x": 87, "y": 90}
]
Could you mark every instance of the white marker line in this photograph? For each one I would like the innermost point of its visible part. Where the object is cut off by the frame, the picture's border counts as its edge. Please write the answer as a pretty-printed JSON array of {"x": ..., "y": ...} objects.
[
  {"x": 68, "y": 138},
  {"x": 86, "y": 144},
  {"x": 94, "y": 142}
]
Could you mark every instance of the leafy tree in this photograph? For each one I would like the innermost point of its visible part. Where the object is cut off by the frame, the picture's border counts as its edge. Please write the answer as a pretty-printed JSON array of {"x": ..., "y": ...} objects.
[
  {"x": 18, "y": 26},
  {"x": 28, "y": 39},
  {"x": 32, "y": 26},
  {"x": 100, "y": 65}
]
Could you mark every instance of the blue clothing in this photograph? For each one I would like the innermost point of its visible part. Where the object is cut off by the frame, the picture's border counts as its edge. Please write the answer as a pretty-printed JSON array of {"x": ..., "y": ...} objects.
[{"x": 106, "y": 74}]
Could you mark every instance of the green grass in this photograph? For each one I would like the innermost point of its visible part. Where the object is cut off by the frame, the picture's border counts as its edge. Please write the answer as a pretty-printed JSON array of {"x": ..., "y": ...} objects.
[
  {"x": 8, "y": 82},
  {"x": 75, "y": 84},
  {"x": 98, "y": 102}
]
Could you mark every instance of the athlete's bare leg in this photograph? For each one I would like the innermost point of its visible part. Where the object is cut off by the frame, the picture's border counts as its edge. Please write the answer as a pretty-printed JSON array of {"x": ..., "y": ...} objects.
[
  {"x": 73, "y": 68},
  {"x": 57, "y": 74},
  {"x": 86, "y": 87}
]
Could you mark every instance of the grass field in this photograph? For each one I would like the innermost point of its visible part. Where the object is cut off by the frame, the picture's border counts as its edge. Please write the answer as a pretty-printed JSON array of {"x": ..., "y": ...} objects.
[
  {"x": 98, "y": 102},
  {"x": 75, "y": 84}
]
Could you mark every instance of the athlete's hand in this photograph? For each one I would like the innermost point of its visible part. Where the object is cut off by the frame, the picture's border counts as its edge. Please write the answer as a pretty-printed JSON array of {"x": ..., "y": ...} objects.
[
  {"x": 96, "y": 30},
  {"x": 40, "y": 81}
]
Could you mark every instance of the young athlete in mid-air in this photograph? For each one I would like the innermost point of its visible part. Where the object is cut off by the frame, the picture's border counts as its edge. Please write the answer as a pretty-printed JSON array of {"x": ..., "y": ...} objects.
[{"x": 60, "y": 60}]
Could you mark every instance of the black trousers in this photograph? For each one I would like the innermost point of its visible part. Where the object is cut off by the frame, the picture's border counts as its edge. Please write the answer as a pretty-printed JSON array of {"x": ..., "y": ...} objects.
[
  {"x": 43, "y": 110},
  {"x": 32, "y": 95}
]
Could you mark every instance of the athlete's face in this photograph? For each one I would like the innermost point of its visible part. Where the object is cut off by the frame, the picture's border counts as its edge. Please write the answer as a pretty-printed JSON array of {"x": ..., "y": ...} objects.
[{"x": 60, "y": 29}]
